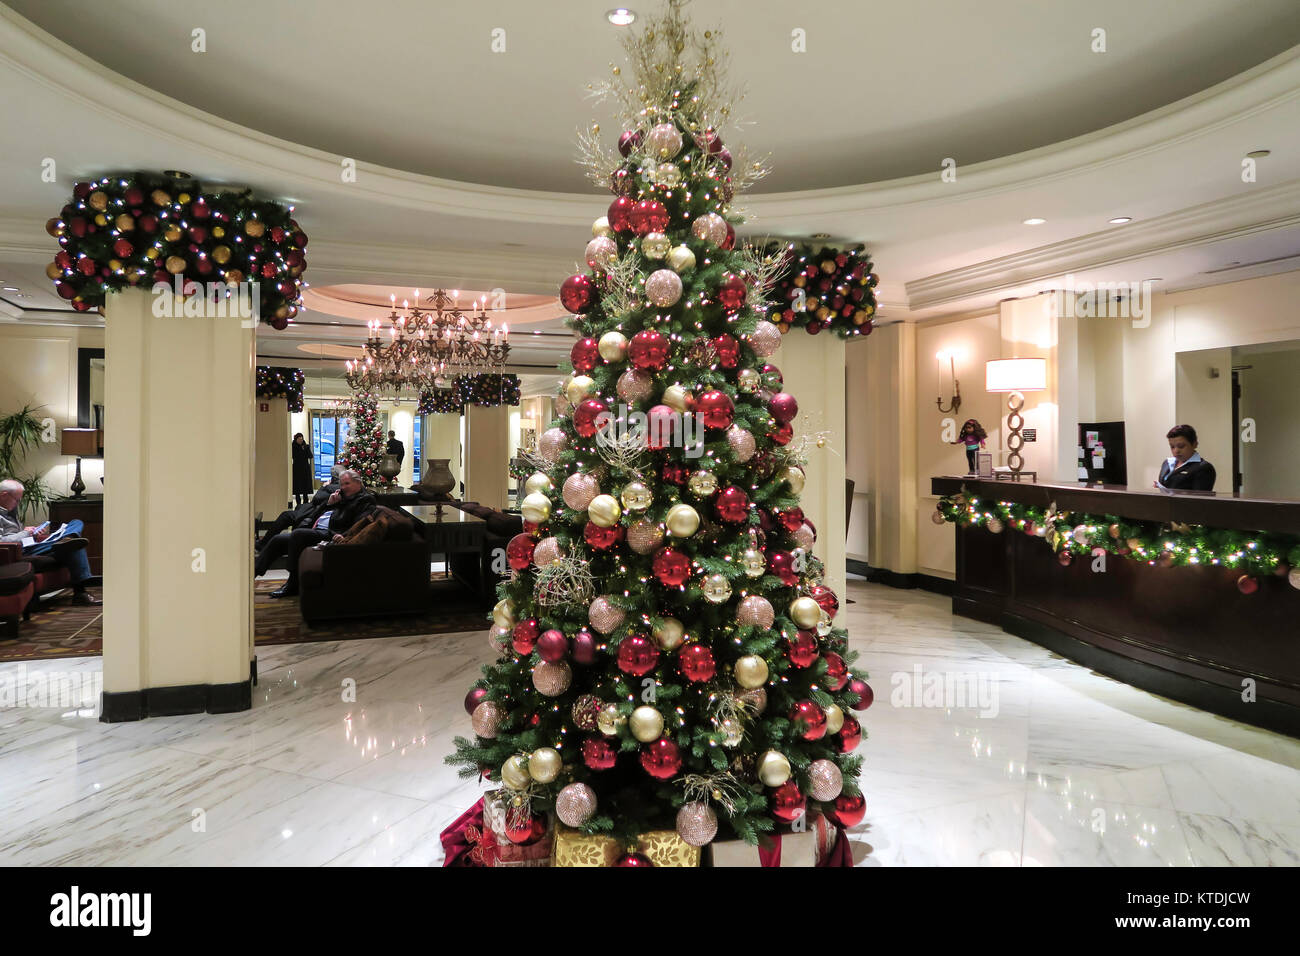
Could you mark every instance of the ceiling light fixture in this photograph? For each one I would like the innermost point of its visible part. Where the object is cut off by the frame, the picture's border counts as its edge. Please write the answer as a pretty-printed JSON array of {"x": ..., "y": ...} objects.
[
  {"x": 1035, "y": 221},
  {"x": 1259, "y": 153},
  {"x": 620, "y": 16},
  {"x": 1120, "y": 220},
  {"x": 820, "y": 235},
  {"x": 11, "y": 288}
]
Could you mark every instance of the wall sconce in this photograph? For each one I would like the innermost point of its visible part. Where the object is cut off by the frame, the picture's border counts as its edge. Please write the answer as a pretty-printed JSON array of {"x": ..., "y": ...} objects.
[{"x": 954, "y": 403}]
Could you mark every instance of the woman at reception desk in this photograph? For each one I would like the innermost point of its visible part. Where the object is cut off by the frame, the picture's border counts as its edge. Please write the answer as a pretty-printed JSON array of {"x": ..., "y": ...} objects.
[
  {"x": 1188, "y": 594},
  {"x": 1185, "y": 469}
]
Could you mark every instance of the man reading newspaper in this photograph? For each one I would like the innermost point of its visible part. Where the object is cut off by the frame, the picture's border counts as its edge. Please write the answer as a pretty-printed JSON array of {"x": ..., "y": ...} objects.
[{"x": 61, "y": 548}]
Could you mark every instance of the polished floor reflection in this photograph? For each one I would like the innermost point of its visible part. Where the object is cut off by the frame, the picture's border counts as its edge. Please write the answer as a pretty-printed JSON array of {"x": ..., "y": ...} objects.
[{"x": 982, "y": 750}]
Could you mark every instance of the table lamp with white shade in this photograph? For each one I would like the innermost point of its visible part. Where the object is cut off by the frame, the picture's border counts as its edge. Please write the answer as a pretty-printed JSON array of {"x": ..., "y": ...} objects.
[{"x": 1015, "y": 376}]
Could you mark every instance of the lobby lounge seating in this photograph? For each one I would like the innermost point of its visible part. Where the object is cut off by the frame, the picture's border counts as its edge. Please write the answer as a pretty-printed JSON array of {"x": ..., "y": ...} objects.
[
  {"x": 17, "y": 591},
  {"x": 476, "y": 571},
  {"x": 47, "y": 574},
  {"x": 362, "y": 580}
]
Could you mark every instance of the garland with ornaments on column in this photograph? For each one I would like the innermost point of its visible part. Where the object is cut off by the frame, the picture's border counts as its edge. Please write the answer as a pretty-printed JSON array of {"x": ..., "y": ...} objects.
[
  {"x": 1256, "y": 554},
  {"x": 277, "y": 382}
]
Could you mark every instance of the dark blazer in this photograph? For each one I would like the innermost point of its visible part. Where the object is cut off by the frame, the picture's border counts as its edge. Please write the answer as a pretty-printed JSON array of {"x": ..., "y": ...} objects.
[
  {"x": 1190, "y": 476},
  {"x": 395, "y": 447},
  {"x": 349, "y": 510},
  {"x": 302, "y": 461},
  {"x": 305, "y": 515}
]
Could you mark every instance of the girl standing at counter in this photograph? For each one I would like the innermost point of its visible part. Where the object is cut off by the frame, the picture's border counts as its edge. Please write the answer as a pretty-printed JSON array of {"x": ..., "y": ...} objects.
[{"x": 1185, "y": 469}]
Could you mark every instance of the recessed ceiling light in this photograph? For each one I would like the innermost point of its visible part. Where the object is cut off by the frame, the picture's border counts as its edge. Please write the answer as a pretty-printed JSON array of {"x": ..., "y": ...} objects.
[
  {"x": 620, "y": 16},
  {"x": 1258, "y": 153},
  {"x": 1035, "y": 221},
  {"x": 1120, "y": 220},
  {"x": 11, "y": 288},
  {"x": 1156, "y": 279}
]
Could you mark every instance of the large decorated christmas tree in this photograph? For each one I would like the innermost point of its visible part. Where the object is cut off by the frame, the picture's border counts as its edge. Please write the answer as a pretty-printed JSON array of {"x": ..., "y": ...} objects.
[
  {"x": 667, "y": 657},
  {"x": 365, "y": 446}
]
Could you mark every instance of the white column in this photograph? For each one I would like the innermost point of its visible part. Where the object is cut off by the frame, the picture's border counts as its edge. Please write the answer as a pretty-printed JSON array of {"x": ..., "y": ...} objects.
[
  {"x": 813, "y": 369},
  {"x": 273, "y": 464},
  {"x": 487, "y": 455},
  {"x": 178, "y": 507},
  {"x": 889, "y": 421}
]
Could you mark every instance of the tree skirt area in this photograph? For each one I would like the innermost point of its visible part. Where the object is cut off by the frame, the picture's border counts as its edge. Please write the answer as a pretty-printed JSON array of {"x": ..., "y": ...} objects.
[{"x": 64, "y": 629}]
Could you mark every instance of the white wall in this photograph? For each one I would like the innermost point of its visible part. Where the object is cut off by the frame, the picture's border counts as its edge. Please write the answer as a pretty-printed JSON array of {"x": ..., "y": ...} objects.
[
  {"x": 1270, "y": 465},
  {"x": 1205, "y": 403}
]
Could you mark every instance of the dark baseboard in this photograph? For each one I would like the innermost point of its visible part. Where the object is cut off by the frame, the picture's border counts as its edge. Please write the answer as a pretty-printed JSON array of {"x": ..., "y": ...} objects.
[
  {"x": 173, "y": 701},
  {"x": 925, "y": 582},
  {"x": 1224, "y": 701}
]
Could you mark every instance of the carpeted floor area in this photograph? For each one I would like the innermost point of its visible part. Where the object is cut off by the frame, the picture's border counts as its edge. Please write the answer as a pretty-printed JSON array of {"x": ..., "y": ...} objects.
[{"x": 62, "y": 629}]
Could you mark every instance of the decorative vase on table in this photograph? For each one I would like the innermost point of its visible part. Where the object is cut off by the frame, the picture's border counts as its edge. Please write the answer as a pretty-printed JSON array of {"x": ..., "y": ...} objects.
[
  {"x": 389, "y": 467},
  {"x": 437, "y": 481}
]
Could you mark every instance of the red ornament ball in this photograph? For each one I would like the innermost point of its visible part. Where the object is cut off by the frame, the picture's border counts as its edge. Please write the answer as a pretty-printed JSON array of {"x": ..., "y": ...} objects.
[
  {"x": 1064, "y": 558},
  {"x": 584, "y": 647},
  {"x": 629, "y": 140},
  {"x": 671, "y": 567},
  {"x": 633, "y": 859},
  {"x": 597, "y": 754},
  {"x": 524, "y": 638},
  {"x": 791, "y": 519},
  {"x": 553, "y": 646},
  {"x": 696, "y": 663},
  {"x": 732, "y": 505},
  {"x": 850, "y": 735},
  {"x": 731, "y": 294},
  {"x": 846, "y": 811},
  {"x": 809, "y": 720},
  {"x": 826, "y": 599},
  {"x": 782, "y": 434},
  {"x": 648, "y": 350},
  {"x": 781, "y": 563},
  {"x": 661, "y": 759},
  {"x": 576, "y": 293},
  {"x": 865, "y": 695},
  {"x": 1247, "y": 585},
  {"x": 524, "y": 832},
  {"x": 620, "y": 213},
  {"x": 837, "y": 672},
  {"x": 602, "y": 538},
  {"x": 675, "y": 473},
  {"x": 585, "y": 353},
  {"x": 783, "y": 407},
  {"x": 519, "y": 552},
  {"x": 727, "y": 349},
  {"x": 585, "y": 415},
  {"x": 122, "y": 248},
  {"x": 730, "y": 241},
  {"x": 649, "y": 215},
  {"x": 788, "y": 804},
  {"x": 715, "y": 409},
  {"x": 637, "y": 655},
  {"x": 802, "y": 649},
  {"x": 475, "y": 697}
]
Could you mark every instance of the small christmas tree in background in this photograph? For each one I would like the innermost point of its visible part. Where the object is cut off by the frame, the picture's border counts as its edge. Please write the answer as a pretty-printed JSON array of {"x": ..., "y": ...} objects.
[
  {"x": 667, "y": 655},
  {"x": 366, "y": 443}
]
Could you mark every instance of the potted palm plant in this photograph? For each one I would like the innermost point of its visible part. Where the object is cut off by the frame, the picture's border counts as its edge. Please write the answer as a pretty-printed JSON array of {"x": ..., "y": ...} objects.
[{"x": 19, "y": 432}]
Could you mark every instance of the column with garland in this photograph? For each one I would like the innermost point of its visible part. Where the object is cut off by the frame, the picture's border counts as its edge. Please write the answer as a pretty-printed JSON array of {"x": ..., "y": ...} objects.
[
  {"x": 365, "y": 447},
  {"x": 667, "y": 656}
]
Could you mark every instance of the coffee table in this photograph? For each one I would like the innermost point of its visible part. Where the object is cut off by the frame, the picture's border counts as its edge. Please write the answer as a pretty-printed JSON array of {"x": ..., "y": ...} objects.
[{"x": 452, "y": 532}]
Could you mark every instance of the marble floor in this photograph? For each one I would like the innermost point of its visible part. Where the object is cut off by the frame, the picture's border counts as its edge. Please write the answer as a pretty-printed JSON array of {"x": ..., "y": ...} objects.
[{"x": 982, "y": 750}]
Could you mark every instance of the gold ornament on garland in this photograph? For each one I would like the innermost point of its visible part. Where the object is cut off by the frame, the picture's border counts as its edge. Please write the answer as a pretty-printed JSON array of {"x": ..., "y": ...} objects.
[
  {"x": 646, "y": 724},
  {"x": 636, "y": 496},
  {"x": 751, "y": 671},
  {"x": 682, "y": 520}
]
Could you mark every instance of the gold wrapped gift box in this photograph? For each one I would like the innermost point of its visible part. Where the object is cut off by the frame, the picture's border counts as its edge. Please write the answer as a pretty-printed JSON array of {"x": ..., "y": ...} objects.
[{"x": 663, "y": 847}]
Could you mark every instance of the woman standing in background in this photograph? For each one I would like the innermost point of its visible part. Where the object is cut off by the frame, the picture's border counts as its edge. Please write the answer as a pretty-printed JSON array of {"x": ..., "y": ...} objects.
[
  {"x": 302, "y": 483},
  {"x": 1185, "y": 469}
]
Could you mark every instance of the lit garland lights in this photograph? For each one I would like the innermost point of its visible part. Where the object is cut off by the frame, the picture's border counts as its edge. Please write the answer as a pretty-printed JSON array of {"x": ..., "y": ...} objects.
[
  {"x": 1071, "y": 534},
  {"x": 276, "y": 382},
  {"x": 138, "y": 229},
  {"x": 825, "y": 288},
  {"x": 487, "y": 390}
]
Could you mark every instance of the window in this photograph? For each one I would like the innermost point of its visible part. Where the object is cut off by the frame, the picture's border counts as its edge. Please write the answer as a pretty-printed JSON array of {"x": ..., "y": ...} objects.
[
  {"x": 415, "y": 450},
  {"x": 329, "y": 439}
]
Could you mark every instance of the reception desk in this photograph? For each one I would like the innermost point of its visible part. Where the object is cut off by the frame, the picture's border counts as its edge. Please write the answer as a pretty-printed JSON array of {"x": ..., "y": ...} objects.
[{"x": 1187, "y": 633}]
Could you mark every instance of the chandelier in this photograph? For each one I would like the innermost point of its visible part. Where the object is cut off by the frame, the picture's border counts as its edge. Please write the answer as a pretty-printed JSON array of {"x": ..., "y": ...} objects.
[{"x": 424, "y": 345}]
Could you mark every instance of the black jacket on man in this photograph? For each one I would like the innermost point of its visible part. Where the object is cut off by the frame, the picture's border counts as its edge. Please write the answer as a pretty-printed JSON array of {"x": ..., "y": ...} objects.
[
  {"x": 395, "y": 447},
  {"x": 349, "y": 510},
  {"x": 1192, "y": 475}
]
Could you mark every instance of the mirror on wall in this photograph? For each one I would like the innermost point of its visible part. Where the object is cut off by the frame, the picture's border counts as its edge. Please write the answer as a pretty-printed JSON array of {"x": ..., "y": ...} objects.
[{"x": 90, "y": 394}]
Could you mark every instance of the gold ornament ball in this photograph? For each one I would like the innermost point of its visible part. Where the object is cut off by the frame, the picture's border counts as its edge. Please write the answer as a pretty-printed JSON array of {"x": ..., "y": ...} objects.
[
  {"x": 655, "y": 245},
  {"x": 499, "y": 638},
  {"x": 221, "y": 255},
  {"x": 675, "y": 397},
  {"x": 667, "y": 174},
  {"x": 613, "y": 346},
  {"x": 937, "y": 517},
  {"x": 753, "y": 563},
  {"x": 703, "y": 483},
  {"x": 537, "y": 483},
  {"x": 663, "y": 288},
  {"x": 716, "y": 588},
  {"x": 644, "y": 536},
  {"x": 646, "y": 724},
  {"x": 834, "y": 718},
  {"x": 601, "y": 228},
  {"x": 536, "y": 508},
  {"x": 52, "y": 271},
  {"x": 254, "y": 228},
  {"x": 601, "y": 253},
  {"x": 172, "y": 233},
  {"x": 175, "y": 265},
  {"x": 682, "y": 521},
  {"x": 160, "y": 198},
  {"x": 579, "y": 490},
  {"x": 503, "y": 613},
  {"x": 636, "y": 496},
  {"x": 664, "y": 141},
  {"x": 994, "y": 525},
  {"x": 748, "y": 380},
  {"x": 751, "y": 671},
  {"x": 98, "y": 200},
  {"x": 825, "y": 782},
  {"x": 544, "y": 764},
  {"x": 609, "y": 720},
  {"x": 773, "y": 769},
  {"x": 552, "y": 678},
  {"x": 579, "y": 387},
  {"x": 514, "y": 772},
  {"x": 681, "y": 259},
  {"x": 697, "y": 824},
  {"x": 670, "y": 634},
  {"x": 604, "y": 615},
  {"x": 604, "y": 511},
  {"x": 125, "y": 222},
  {"x": 794, "y": 477},
  {"x": 486, "y": 719},
  {"x": 805, "y": 612}
]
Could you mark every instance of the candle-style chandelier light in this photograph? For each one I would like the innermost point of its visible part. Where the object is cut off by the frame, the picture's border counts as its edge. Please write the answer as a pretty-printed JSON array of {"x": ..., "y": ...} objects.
[{"x": 427, "y": 344}]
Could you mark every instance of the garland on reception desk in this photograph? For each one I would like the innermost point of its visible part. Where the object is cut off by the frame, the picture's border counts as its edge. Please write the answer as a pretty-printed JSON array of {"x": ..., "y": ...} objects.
[
  {"x": 139, "y": 229},
  {"x": 276, "y": 382},
  {"x": 825, "y": 288},
  {"x": 1070, "y": 534},
  {"x": 485, "y": 390}
]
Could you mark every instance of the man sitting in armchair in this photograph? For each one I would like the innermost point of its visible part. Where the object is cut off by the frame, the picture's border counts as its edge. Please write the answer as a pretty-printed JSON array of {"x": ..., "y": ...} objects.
[
  {"x": 69, "y": 551},
  {"x": 305, "y": 514},
  {"x": 342, "y": 510}
]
